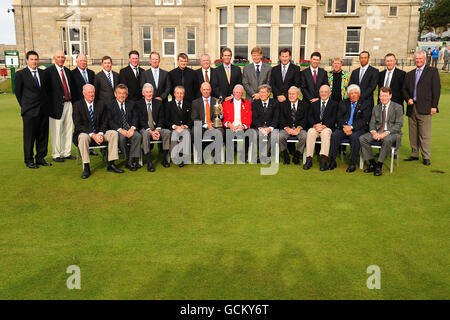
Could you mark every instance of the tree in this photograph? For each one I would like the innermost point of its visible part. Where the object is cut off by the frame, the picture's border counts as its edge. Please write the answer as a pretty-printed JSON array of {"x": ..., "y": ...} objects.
[{"x": 434, "y": 14}]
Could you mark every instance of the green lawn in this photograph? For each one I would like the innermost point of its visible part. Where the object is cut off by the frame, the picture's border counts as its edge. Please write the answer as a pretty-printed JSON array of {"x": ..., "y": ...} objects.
[{"x": 223, "y": 231}]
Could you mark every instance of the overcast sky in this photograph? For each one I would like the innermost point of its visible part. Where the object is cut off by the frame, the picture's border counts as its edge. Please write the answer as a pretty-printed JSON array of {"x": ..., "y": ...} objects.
[{"x": 7, "y": 33}]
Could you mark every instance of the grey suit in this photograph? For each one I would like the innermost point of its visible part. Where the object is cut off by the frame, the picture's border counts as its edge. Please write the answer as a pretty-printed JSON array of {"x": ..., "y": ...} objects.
[
  {"x": 394, "y": 121},
  {"x": 250, "y": 80},
  {"x": 104, "y": 91}
]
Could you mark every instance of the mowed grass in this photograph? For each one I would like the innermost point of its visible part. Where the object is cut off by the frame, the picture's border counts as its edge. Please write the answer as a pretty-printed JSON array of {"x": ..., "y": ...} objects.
[{"x": 223, "y": 231}]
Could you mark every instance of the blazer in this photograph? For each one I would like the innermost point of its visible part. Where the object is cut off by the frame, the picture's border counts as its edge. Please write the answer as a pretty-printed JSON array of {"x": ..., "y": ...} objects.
[
  {"x": 250, "y": 80},
  {"x": 103, "y": 89},
  {"x": 32, "y": 98},
  {"x": 221, "y": 86},
  {"x": 428, "y": 89},
  {"x": 55, "y": 90},
  {"x": 396, "y": 85},
  {"x": 82, "y": 119},
  {"x": 394, "y": 120},
  {"x": 198, "y": 110},
  {"x": 301, "y": 116},
  {"x": 176, "y": 117},
  {"x": 212, "y": 80},
  {"x": 265, "y": 118},
  {"x": 115, "y": 115},
  {"x": 345, "y": 79},
  {"x": 127, "y": 77},
  {"x": 310, "y": 90},
  {"x": 190, "y": 83},
  {"x": 246, "y": 112},
  {"x": 79, "y": 82},
  {"x": 292, "y": 78},
  {"x": 157, "y": 114},
  {"x": 361, "y": 115},
  {"x": 329, "y": 115},
  {"x": 368, "y": 84},
  {"x": 163, "y": 89}
]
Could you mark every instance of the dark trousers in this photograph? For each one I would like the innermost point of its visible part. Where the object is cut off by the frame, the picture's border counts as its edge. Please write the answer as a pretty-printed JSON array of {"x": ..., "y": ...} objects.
[
  {"x": 338, "y": 136},
  {"x": 35, "y": 132}
]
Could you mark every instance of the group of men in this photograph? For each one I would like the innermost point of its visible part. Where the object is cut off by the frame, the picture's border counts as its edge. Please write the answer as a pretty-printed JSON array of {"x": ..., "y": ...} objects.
[{"x": 130, "y": 110}]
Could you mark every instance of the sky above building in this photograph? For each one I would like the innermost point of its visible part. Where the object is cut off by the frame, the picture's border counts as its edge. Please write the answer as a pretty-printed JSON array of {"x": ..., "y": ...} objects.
[{"x": 7, "y": 33}]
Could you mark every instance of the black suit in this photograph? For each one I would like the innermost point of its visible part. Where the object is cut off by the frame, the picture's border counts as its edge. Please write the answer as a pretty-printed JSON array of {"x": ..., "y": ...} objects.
[
  {"x": 103, "y": 89},
  {"x": 32, "y": 99},
  {"x": 163, "y": 89},
  {"x": 396, "y": 84},
  {"x": 292, "y": 78},
  {"x": 212, "y": 80},
  {"x": 186, "y": 78},
  {"x": 301, "y": 116},
  {"x": 128, "y": 78},
  {"x": 329, "y": 115},
  {"x": 221, "y": 87},
  {"x": 368, "y": 84},
  {"x": 157, "y": 114},
  {"x": 176, "y": 117},
  {"x": 310, "y": 89},
  {"x": 82, "y": 118},
  {"x": 265, "y": 117},
  {"x": 55, "y": 90},
  {"x": 79, "y": 82}
]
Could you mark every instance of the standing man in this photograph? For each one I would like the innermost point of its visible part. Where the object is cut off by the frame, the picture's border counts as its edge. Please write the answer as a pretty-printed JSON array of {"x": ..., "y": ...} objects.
[
  {"x": 284, "y": 76},
  {"x": 312, "y": 79},
  {"x": 422, "y": 90},
  {"x": 446, "y": 55},
  {"x": 255, "y": 74},
  {"x": 435, "y": 57},
  {"x": 59, "y": 90},
  {"x": 81, "y": 75},
  {"x": 158, "y": 78},
  {"x": 185, "y": 77},
  {"x": 366, "y": 77},
  {"x": 31, "y": 95},
  {"x": 393, "y": 78},
  {"x": 205, "y": 73},
  {"x": 228, "y": 76},
  {"x": 131, "y": 75},
  {"x": 106, "y": 81},
  {"x": 338, "y": 80}
]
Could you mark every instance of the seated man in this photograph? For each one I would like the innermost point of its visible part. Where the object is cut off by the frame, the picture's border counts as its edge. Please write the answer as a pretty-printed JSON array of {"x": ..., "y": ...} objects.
[
  {"x": 123, "y": 118},
  {"x": 352, "y": 121},
  {"x": 293, "y": 122},
  {"x": 385, "y": 126},
  {"x": 91, "y": 123},
  {"x": 151, "y": 123},
  {"x": 322, "y": 117},
  {"x": 178, "y": 118}
]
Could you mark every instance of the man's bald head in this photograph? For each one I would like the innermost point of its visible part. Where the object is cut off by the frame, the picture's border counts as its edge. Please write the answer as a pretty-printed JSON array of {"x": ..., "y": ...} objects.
[
  {"x": 59, "y": 58},
  {"x": 81, "y": 61},
  {"x": 205, "y": 89}
]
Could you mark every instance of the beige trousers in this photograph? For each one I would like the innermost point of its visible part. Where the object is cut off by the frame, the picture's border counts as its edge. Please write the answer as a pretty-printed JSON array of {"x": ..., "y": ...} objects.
[
  {"x": 420, "y": 134},
  {"x": 110, "y": 136},
  {"x": 62, "y": 130},
  {"x": 325, "y": 137}
]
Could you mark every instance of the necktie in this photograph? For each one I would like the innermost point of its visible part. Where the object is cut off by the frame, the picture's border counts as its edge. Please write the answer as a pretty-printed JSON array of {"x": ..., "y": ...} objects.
[
  {"x": 91, "y": 114},
  {"x": 182, "y": 78},
  {"x": 361, "y": 74},
  {"x": 315, "y": 76},
  {"x": 179, "y": 106},
  {"x": 418, "y": 74},
  {"x": 283, "y": 74},
  {"x": 228, "y": 73},
  {"x": 85, "y": 77},
  {"x": 156, "y": 77},
  {"x": 125, "y": 124},
  {"x": 36, "y": 79},
  {"x": 293, "y": 112},
  {"x": 66, "y": 88},
  {"x": 388, "y": 80},
  {"x": 137, "y": 72},
  {"x": 110, "y": 80},
  {"x": 150, "y": 116},
  {"x": 264, "y": 106},
  {"x": 206, "y": 76},
  {"x": 322, "y": 109},
  {"x": 208, "y": 113},
  {"x": 350, "y": 121},
  {"x": 383, "y": 120},
  {"x": 257, "y": 72}
]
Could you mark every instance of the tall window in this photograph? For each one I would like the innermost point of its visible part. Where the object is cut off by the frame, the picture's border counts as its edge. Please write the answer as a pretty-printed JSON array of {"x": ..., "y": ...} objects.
[
  {"x": 190, "y": 37},
  {"x": 353, "y": 41},
  {"x": 304, "y": 23},
  {"x": 263, "y": 30},
  {"x": 223, "y": 28},
  {"x": 147, "y": 40},
  {"x": 241, "y": 32},
  {"x": 286, "y": 32},
  {"x": 169, "y": 39},
  {"x": 74, "y": 40},
  {"x": 64, "y": 40},
  {"x": 85, "y": 40},
  {"x": 341, "y": 6}
]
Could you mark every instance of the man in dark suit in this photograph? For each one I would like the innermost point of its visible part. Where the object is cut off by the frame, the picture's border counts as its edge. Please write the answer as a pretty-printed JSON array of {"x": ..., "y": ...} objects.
[
  {"x": 81, "y": 75},
  {"x": 386, "y": 126},
  {"x": 178, "y": 118},
  {"x": 284, "y": 76},
  {"x": 91, "y": 126},
  {"x": 366, "y": 77},
  {"x": 255, "y": 74},
  {"x": 158, "y": 78},
  {"x": 123, "y": 118},
  {"x": 131, "y": 76},
  {"x": 312, "y": 79},
  {"x": 105, "y": 81},
  {"x": 322, "y": 118},
  {"x": 422, "y": 90},
  {"x": 185, "y": 77},
  {"x": 393, "y": 78},
  {"x": 352, "y": 121},
  {"x": 293, "y": 123},
  {"x": 152, "y": 125},
  {"x": 206, "y": 73},
  {"x": 227, "y": 76},
  {"x": 30, "y": 93},
  {"x": 60, "y": 89}
]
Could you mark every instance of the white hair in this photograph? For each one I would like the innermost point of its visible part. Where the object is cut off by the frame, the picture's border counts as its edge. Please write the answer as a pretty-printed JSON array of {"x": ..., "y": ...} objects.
[
  {"x": 294, "y": 88},
  {"x": 354, "y": 87},
  {"x": 88, "y": 85},
  {"x": 420, "y": 52},
  {"x": 238, "y": 86},
  {"x": 325, "y": 85},
  {"x": 148, "y": 85}
]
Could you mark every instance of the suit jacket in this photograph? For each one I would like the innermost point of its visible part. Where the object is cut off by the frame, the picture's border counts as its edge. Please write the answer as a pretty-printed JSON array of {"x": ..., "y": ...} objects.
[
  {"x": 361, "y": 115},
  {"x": 78, "y": 82},
  {"x": 157, "y": 114},
  {"x": 176, "y": 117},
  {"x": 55, "y": 90},
  {"x": 265, "y": 118},
  {"x": 212, "y": 80},
  {"x": 292, "y": 78},
  {"x": 221, "y": 86},
  {"x": 103, "y": 89},
  {"x": 198, "y": 110},
  {"x": 394, "y": 120},
  {"x": 368, "y": 84},
  {"x": 301, "y": 116},
  {"x": 163, "y": 89},
  {"x": 310, "y": 89},
  {"x": 345, "y": 79},
  {"x": 190, "y": 84},
  {"x": 82, "y": 119},
  {"x": 396, "y": 84},
  {"x": 329, "y": 115},
  {"x": 246, "y": 112},
  {"x": 115, "y": 115},
  {"x": 250, "y": 80},
  {"x": 428, "y": 89},
  {"x": 32, "y": 98},
  {"x": 127, "y": 77}
]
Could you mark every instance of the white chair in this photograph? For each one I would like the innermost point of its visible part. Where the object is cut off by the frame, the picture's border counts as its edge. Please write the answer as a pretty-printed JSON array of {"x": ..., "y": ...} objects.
[{"x": 377, "y": 145}]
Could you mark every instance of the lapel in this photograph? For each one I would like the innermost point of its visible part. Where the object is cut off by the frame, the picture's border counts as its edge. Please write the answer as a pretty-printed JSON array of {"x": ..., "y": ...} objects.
[
  {"x": 288, "y": 72},
  {"x": 424, "y": 72},
  {"x": 253, "y": 72},
  {"x": 31, "y": 78},
  {"x": 57, "y": 77}
]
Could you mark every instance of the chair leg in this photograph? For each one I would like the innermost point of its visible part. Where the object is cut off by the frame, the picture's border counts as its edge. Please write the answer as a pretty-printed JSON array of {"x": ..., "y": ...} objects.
[
  {"x": 392, "y": 159},
  {"x": 341, "y": 154},
  {"x": 277, "y": 153},
  {"x": 304, "y": 157},
  {"x": 361, "y": 162}
]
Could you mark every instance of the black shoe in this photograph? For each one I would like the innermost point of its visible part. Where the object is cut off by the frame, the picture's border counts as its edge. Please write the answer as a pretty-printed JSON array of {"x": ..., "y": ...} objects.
[
  {"x": 165, "y": 163},
  {"x": 378, "y": 171},
  {"x": 43, "y": 163},
  {"x": 296, "y": 158},
  {"x": 411, "y": 158},
  {"x": 371, "y": 168},
  {"x": 86, "y": 172},
  {"x": 70, "y": 157},
  {"x": 323, "y": 163},
  {"x": 58, "y": 159},
  {"x": 150, "y": 167},
  {"x": 31, "y": 165},
  {"x": 181, "y": 165},
  {"x": 351, "y": 168},
  {"x": 286, "y": 158},
  {"x": 308, "y": 163},
  {"x": 333, "y": 164},
  {"x": 93, "y": 153},
  {"x": 112, "y": 168},
  {"x": 426, "y": 162}
]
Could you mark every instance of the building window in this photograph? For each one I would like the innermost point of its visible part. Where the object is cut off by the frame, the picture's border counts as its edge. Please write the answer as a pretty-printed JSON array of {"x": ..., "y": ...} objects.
[
  {"x": 190, "y": 37},
  {"x": 168, "y": 2},
  {"x": 64, "y": 40},
  {"x": 241, "y": 32},
  {"x": 169, "y": 39},
  {"x": 341, "y": 6},
  {"x": 147, "y": 40},
  {"x": 72, "y": 2},
  {"x": 352, "y": 42},
  {"x": 329, "y": 6},
  {"x": 263, "y": 30},
  {"x": 85, "y": 41},
  {"x": 286, "y": 31},
  {"x": 393, "y": 11},
  {"x": 74, "y": 41},
  {"x": 304, "y": 24},
  {"x": 223, "y": 19}
]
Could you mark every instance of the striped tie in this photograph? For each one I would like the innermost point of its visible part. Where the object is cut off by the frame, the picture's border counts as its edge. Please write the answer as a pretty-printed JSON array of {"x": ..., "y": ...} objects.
[
  {"x": 293, "y": 111},
  {"x": 125, "y": 124},
  {"x": 91, "y": 114},
  {"x": 109, "y": 78},
  {"x": 85, "y": 77}
]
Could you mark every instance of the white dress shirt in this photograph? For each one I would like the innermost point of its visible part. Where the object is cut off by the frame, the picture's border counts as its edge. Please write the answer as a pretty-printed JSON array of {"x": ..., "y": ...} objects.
[
  {"x": 88, "y": 105},
  {"x": 181, "y": 106},
  {"x": 111, "y": 75},
  {"x": 134, "y": 69},
  {"x": 37, "y": 74},
  {"x": 204, "y": 109},
  {"x": 388, "y": 75},
  {"x": 386, "y": 123},
  {"x": 287, "y": 67},
  {"x": 125, "y": 111},
  {"x": 65, "y": 75},
  {"x": 237, "y": 112},
  {"x": 258, "y": 64},
  {"x": 209, "y": 74},
  {"x": 267, "y": 106}
]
